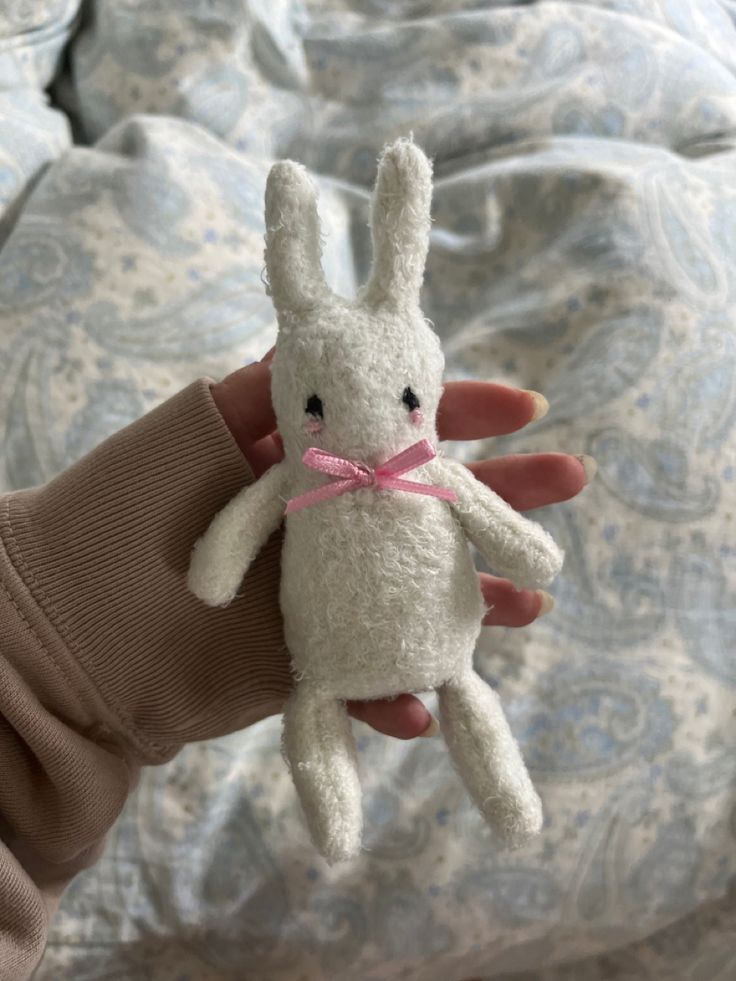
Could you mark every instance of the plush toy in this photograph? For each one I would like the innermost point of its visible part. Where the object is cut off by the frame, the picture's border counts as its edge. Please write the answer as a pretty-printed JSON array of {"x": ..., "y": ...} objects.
[{"x": 379, "y": 592}]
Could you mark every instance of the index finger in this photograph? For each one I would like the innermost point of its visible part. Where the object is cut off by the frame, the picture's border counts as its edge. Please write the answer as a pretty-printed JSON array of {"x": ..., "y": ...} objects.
[{"x": 477, "y": 409}]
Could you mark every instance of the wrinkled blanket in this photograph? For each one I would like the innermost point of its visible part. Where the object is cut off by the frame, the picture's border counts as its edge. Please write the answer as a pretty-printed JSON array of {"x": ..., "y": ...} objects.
[{"x": 584, "y": 244}]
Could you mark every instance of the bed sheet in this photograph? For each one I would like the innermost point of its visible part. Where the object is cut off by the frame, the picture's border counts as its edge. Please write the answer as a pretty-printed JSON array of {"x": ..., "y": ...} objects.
[{"x": 584, "y": 244}]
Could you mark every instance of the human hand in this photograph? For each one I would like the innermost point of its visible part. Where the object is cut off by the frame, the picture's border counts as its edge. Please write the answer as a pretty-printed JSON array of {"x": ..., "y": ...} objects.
[{"x": 468, "y": 410}]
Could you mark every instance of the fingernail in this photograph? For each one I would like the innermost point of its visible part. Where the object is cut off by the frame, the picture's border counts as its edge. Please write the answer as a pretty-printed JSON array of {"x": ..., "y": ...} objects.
[
  {"x": 547, "y": 605},
  {"x": 589, "y": 466},
  {"x": 541, "y": 405},
  {"x": 432, "y": 729}
]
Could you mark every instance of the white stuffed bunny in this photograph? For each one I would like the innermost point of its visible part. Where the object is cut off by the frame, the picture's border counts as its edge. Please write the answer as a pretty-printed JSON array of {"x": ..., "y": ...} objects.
[{"x": 379, "y": 593}]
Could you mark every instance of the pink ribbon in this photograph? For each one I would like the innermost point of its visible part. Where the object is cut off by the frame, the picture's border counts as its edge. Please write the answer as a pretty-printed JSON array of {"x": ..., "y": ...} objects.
[{"x": 350, "y": 475}]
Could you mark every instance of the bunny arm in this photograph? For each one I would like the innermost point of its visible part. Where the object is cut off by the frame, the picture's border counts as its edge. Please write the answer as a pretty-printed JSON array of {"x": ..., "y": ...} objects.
[
  {"x": 237, "y": 533},
  {"x": 512, "y": 545}
]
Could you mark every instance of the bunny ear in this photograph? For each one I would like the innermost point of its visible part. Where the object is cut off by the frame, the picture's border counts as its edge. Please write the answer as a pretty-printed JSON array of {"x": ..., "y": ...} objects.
[
  {"x": 400, "y": 223},
  {"x": 293, "y": 249}
]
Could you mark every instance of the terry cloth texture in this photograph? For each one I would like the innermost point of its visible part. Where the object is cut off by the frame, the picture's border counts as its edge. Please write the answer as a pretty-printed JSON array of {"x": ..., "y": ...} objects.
[{"x": 379, "y": 592}]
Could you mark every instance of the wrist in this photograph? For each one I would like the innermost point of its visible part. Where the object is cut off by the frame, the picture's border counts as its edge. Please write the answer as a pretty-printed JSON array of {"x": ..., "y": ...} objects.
[{"x": 104, "y": 550}]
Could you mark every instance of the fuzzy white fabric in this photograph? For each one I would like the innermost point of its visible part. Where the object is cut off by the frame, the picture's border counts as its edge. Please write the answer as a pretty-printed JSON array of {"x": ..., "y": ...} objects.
[
  {"x": 379, "y": 592},
  {"x": 236, "y": 535}
]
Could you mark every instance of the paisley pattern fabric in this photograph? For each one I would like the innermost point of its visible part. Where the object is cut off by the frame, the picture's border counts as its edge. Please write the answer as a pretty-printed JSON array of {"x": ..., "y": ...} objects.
[{"x": 584, "y": 244}]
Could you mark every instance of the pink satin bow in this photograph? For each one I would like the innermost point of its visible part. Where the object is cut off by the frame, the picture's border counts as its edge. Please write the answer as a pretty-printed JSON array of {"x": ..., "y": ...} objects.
[{"x": 351, "y": 475}]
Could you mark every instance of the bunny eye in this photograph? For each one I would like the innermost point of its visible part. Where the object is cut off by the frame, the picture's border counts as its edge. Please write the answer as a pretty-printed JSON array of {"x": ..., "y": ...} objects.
[
  {"x": 409, "y": 399},
  {"x": 314, "y": 406}
]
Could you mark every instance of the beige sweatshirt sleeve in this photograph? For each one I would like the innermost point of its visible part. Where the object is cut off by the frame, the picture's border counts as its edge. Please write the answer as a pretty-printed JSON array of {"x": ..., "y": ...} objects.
[{"x": 107, "y": 662}]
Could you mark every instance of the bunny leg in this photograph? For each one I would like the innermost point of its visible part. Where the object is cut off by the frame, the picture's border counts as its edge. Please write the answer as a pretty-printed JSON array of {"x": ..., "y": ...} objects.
[
  {"x": 319, "y": 747},
  {"x": 488, "y": 759}
]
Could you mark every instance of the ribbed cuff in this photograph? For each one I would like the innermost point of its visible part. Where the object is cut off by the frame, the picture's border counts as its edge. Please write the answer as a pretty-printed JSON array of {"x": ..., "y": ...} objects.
[{"x": 104, "y": 550}]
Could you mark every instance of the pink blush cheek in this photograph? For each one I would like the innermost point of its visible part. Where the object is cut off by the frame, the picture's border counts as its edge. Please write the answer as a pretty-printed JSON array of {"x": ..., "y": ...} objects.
[
  {"x": 416, "y": 417},
  {"x": 314, "y": 426}
]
